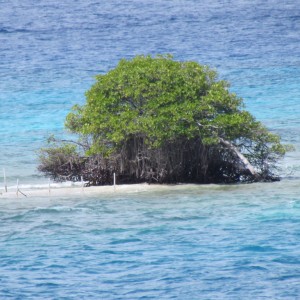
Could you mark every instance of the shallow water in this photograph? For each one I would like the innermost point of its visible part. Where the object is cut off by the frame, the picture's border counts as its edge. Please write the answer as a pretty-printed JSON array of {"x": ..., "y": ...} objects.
[
  {"x": 221, "y": 242},
  {"x": 210, "y": 242}
]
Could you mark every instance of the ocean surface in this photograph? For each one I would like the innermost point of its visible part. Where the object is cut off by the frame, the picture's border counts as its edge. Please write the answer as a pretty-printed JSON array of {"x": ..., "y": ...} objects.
[{"x": 206, "y": 242}]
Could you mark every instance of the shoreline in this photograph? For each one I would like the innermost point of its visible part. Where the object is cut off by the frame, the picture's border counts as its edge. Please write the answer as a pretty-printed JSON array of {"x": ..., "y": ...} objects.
[
  {"x": 47, "y": 191},
  {"x": 25, "y": 193}
]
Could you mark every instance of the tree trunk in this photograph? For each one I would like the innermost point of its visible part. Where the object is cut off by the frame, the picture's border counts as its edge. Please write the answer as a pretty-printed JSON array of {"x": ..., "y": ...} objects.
[{"x": 243, "y": 159}]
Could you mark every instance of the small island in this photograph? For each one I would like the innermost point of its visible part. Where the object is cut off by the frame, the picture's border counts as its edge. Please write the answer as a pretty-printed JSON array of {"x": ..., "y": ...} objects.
[{"x": 157, "y": 120}]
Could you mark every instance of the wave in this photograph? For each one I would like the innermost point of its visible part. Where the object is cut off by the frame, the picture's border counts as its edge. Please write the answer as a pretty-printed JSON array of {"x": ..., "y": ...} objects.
[
  {"x": 52, "y": 185},
  {"x": 11, "y": 30}
]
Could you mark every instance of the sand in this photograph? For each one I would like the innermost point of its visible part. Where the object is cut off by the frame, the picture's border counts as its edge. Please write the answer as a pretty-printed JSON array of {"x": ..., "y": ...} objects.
[
  {"x": 82, "y": 191},
  {"x": 75, "y": 191}
]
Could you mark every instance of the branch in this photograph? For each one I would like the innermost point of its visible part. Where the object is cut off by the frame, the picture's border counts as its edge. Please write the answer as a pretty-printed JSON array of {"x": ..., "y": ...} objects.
[
  {"x": 243, "y": 159},
  {"x": 85, "y": 146},
  {"x": 235, "y": 150},
  {"x": 211, "y": 126}
]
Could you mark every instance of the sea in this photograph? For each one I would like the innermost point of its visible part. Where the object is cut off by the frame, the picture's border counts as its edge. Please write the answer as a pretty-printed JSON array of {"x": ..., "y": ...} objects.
[{"x": 185, "y": 242}]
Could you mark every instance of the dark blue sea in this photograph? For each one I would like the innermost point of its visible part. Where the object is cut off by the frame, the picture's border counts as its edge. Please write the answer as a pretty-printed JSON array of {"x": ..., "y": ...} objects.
[{"x": 188, "y": 242}]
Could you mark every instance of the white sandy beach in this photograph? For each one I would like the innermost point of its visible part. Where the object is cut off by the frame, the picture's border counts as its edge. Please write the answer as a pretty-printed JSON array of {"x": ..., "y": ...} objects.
[
  {"x": 55, "y": 190},
  {"x": 84, "y": 191},
  {"x": 69, "y": 191}
]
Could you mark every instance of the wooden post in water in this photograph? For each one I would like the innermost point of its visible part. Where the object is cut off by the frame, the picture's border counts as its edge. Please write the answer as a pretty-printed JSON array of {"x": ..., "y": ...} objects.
[
  {"x": 5, "y": 184},
  {"x": 49, "y": 187},
  {"x": 82, "y": 183},
  {"x": 114, "y": 181}
]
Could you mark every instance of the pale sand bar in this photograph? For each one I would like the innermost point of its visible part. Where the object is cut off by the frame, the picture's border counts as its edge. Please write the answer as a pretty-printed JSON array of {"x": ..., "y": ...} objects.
[
  {"x": 79, "y": 191},
  {"x": 87, "y": 191}
]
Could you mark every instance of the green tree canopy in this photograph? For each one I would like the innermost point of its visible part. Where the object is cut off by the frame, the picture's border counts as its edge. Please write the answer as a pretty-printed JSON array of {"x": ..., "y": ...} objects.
[{"x": 156, "y": 106}]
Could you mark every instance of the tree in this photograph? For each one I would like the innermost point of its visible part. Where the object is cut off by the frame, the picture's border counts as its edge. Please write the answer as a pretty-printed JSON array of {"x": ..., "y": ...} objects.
[{"x": 157, "y": 119}]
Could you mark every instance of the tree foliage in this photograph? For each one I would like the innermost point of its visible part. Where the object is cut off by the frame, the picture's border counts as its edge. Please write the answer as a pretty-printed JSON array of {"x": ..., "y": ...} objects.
[{"x": 157, "y": 119}]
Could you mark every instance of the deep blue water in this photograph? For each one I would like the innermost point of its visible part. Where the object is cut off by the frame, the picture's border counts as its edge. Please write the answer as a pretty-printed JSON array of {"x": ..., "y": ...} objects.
[{"x": 222, "y": 243}]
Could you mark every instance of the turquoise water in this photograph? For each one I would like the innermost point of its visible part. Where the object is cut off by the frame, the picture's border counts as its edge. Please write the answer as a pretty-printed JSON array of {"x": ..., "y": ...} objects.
[
  {"x": 209, "y": 242},
  {"x": 216, "y": 242}
]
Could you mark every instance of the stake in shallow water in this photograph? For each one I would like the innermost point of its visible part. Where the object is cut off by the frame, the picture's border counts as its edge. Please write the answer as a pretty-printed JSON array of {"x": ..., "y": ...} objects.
[
  {"x": 114, "y": 181},
  {"x": 18, "y": 190}
]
